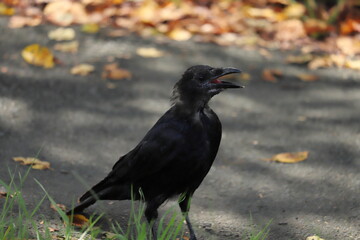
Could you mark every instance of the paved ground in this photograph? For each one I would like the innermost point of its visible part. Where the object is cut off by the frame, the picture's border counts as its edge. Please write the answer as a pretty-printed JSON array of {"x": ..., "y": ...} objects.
[{"x": 82, "y": 127}]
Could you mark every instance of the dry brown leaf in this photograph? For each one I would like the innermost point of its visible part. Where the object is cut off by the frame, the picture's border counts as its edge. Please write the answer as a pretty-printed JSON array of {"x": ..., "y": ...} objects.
[
  {"x": 300, "y": 59},
  {"x": 90, "y": 28},
  {"x": 149, "y": 52},
  {"x": 82, "y": 69},
  {"x": 38, "y": 55},
  {"x": 316, "y": 26},
  {"x": 51, "y": 229},
  {"x": 179, "y": 34},
  {"x": 148, "y": 12},
  {"x": 288, "y": 157},
  {"x": 23, "y": 21},
  {"x": 111, "y": 71},
  {"x": 79, "y": 220},
  {"x": 62, "y": 34},
  {"x": 271, "y": 75},
  {"x": 319, "y": 62},
  {"x": 266, "y": 13},
  {"x": 71, "y": 47},
  {"x": 348, "y": 45},
  {"x": 64, "y": 13},
  {"x": 289, "y": 30},
  {"x": 307, "y": 77},
  {"x": 61, "y": 206},
  {"x": 5, "y": 195},
  {"x": 34, "y": 162}
]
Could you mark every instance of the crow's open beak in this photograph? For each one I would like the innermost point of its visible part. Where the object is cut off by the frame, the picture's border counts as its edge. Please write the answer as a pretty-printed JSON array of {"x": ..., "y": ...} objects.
[{"x": 223, "y": 84}]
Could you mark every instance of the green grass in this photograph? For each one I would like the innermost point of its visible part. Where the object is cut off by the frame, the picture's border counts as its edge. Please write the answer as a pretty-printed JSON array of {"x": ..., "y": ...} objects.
[{"x": 20, "y": 221}]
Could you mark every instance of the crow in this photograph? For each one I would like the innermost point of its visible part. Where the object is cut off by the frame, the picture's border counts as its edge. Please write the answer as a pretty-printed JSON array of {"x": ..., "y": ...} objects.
[{"x": 175, "y": 155}]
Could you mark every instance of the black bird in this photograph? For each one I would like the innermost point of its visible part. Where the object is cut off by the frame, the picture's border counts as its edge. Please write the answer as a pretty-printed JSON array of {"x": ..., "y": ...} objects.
[{"x": 176, "y": 154}]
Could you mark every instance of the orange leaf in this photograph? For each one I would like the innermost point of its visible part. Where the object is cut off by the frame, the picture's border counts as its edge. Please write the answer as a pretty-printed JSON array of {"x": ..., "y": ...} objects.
[
  {"x": 38, "y": 55},
  {"x": 288, "y": 157},
  {"x": 111, "y": 71},
  {"x": 271, "y": 75},
  {"x": 34, "y": 162},
  {"x": 79, "y": 220}
]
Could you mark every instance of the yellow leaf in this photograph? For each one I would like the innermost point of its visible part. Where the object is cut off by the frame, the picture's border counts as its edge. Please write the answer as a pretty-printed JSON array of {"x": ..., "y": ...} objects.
[
  {"x": 82, "y": 69},
  {"x": 149, "y": 52},
  {"x": 90, "y": 28},
  {"x": 179, "y": 34},
  {"x": 307, "y": 77},
  {"x": 34, "y": 162},
  {"x": 5, "y": 10},
  {"x": 289, "y": 157},
  {"x": 295, "y": 10},
  {"x": 38, "y": 55},
  {"x": 72, "y": 46},
  {"x": 79, "y": 220},
  {"x": 353, "y": 64},
  {"x": 62, "y": 34}
]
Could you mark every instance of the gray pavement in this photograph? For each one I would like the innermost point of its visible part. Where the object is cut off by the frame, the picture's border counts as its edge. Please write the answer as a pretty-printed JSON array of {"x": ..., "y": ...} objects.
[{"x": 82, "y": 127}]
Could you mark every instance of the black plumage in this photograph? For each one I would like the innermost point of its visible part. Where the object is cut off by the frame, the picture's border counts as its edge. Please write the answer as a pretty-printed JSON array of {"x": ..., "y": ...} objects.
[{"x": 176, "y": 154}]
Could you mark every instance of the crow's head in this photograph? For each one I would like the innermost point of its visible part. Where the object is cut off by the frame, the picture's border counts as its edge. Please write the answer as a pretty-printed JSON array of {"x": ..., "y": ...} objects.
[{"x": 201, "y": 82}]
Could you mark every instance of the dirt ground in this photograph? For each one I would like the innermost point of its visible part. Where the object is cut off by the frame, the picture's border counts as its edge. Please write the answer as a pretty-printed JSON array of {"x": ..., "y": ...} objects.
[{"x": 82, "y": 127}]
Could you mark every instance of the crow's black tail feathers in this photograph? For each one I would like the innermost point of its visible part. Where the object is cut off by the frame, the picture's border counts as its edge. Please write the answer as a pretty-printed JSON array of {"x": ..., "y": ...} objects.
[{"x": 95, "y": 190}]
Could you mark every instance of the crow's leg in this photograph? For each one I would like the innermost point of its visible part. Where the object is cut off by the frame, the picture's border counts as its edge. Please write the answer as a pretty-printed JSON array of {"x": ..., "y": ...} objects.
[
  {"x": 151, "y": 213},
  {"x": 185, "y": 207}
]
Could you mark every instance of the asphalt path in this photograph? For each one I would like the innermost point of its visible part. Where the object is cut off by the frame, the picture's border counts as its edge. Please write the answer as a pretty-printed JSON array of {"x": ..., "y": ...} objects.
[{"x": 81, "y": 126}]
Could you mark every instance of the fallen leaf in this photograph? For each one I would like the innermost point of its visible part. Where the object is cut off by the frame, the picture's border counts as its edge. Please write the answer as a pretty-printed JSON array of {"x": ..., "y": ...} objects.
[
  {"x": 179, "y": 34},
  {"x": 51, "y": 229},
  {"x": 90, "y": 28},
  {"x": 59, "y": 205},
  {"x": 314, "y": 238},
  {"x": 34, "y": 162},
  {"x": 5, "y": 10},
  {"x": 5, "y": 195},
  {"x": 117, "y": 33},
  {"x": 348, "y": 45},
  {"x": 271, "y": 75},
  {"x": 149, "y": 52},
  {"x": 64, "y": 13},
  {"x": 38, "y": 55},
  {"x": 289, "y": 30},
  {"x": 78, "y": 220},
  {"x": 352, "y": 64},
  {"x": 307, "y": 77},
  {"x": 82, "y": 69},
  {"x": 319, "y": 62},
  {"x": 62, "y": 34},
  {"x": 71, "y": 47},
  {"x": 316, "y": 26},
  {"x": 23, "y": 21},
  {"x": 289, "y": 157},
  {"x": 299, "y": 59},
  {"x": 294, "y": 10},
  {"x": 111, "y": 71}
]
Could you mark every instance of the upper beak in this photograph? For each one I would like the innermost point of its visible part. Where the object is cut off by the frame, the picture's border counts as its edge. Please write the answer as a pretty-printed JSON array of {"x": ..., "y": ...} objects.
[{"x": 223, "y": 84}]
